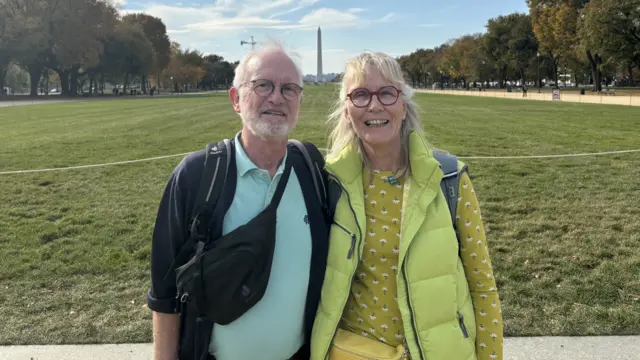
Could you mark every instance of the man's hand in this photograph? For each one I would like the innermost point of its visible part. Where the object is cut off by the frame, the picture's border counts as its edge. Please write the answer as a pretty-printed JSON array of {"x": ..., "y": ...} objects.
[{"x": 166, "y": 333}]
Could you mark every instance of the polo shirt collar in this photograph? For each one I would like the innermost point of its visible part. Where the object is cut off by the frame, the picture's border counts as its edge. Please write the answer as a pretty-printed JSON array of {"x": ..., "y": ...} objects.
[{"x": 244, "y": 163}]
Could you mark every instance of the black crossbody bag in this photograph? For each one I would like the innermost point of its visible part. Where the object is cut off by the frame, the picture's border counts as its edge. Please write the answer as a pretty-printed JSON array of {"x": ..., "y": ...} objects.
[{"x": 228, "y": 275}]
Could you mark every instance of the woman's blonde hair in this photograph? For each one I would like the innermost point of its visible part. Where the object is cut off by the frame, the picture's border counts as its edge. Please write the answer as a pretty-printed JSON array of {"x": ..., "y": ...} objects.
[{"x": 343, "y": 134}]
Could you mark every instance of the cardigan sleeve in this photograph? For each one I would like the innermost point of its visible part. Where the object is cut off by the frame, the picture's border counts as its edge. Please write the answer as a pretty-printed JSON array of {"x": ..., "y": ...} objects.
[{"x": 479, "y": 273}]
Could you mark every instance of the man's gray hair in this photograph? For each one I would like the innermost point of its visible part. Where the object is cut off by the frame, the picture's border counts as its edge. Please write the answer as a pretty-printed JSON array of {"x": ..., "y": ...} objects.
[{"x": 271, "y": 45}]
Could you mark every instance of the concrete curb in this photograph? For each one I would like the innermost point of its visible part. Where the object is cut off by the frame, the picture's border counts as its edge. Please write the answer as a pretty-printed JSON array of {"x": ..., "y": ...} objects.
[{"x": 525, "y": 348}]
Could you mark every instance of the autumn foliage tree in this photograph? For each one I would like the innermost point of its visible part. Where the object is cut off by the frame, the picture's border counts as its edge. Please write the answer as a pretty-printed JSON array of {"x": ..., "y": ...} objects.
[
  {"x": 612, "y": 28},
  {"x": 87, "y": 42},
  {"x": 577, "y": 37},
  {"x": 555, "y": 27},
  {"x": 186, "y": 68},
  {"x": 461, "y": 59},
  {"x": 90, "y": 42},
  {"x": 156, "y": 32}
]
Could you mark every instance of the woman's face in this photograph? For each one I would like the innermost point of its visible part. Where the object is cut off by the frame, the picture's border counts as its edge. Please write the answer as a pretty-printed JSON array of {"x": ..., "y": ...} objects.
[{"x": 377, "y": 120}]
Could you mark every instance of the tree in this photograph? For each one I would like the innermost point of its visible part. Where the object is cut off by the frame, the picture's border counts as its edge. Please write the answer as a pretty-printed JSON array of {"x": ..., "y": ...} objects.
[
  {"x": 31, "y": 35},
  {"x": 7, "y": 39},
  {"x": 429, "y": 60},
  {"x": 16, "y": 77},
  {"x": 76, "y": 31},
  {"x": 411, "y": 66},
  {"x": 192, "y": 67},
  {"x": 136, "y": 51},
  {"x": 522, "y": 44},
  {"x": 496, "y": 46},
  {"x": 612, "y": 29},
  {"x": 480, "y": 66},
  {"x": 156, "y": 32},
  {"x": 570, "y": 45},
  {"x": 459, "y": 60},
  {"x": 555, "y": 29},
  {"x": 217, "y": 71},
  {"x": 185, "y": 68}
]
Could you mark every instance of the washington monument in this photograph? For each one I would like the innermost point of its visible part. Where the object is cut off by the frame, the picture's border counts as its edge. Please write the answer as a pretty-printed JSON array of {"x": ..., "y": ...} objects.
[{"x": 319, "y": 75}]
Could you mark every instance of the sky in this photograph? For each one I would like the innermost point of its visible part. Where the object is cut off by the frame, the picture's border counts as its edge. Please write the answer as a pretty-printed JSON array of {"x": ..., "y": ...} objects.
[{"x": 396, "y": 27}]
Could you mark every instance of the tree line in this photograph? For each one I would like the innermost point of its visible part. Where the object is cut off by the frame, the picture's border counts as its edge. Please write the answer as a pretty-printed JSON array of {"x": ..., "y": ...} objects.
[
  {"x": 88, "y": 43},
  {"x": 587, "y": 42}
]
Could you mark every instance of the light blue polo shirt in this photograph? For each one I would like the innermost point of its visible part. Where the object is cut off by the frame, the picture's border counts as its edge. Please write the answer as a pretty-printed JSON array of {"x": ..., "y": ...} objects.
[{"x": 274, "y": 328}]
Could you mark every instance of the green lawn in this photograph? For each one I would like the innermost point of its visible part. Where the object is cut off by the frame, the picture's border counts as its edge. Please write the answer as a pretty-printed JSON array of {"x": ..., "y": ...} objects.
[{"x": 75, "y": 244}]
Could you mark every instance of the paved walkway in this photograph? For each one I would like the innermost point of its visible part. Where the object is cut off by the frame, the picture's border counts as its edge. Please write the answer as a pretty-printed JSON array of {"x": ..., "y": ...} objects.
[
  {"x": 536, "y": 348},
  {"x": 31, "y": 101},
  {"x": 532, "y": 94}
]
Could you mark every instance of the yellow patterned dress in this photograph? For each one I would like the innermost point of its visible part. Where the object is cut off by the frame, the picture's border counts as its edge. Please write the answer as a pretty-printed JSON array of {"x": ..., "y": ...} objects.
[{"x": 372, "y": 309}]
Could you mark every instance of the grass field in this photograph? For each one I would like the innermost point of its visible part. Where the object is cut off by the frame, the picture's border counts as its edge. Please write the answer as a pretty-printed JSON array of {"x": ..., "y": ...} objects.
[{"x": 564, "y": 233}]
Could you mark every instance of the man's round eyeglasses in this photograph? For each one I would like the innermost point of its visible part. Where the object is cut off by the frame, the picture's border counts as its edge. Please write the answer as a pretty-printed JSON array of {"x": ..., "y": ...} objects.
[
  {"x": 387, "y": 96},
  {"x": 263, "y": 87}
]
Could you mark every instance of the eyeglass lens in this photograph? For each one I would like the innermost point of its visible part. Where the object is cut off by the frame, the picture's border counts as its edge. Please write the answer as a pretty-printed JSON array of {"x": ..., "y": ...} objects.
[
  {"x": 265, "y": 88},
  {"x": 387, "y": 95}
]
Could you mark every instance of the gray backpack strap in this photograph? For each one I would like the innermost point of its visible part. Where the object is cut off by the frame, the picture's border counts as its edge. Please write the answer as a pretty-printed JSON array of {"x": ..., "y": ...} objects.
[{"x": 450, "y": 181}]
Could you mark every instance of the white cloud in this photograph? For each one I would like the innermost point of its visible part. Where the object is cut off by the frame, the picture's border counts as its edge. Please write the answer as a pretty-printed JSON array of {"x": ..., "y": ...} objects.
[
  {"x": 229, "y": 16},
  {"x": 190, "y": 23},
  {"x": 117, "y": 3},
  {"x": 334, "y": 18},
  {"x": 301, "y": 5},
  {"x": 198, "y": 25},
  {"x": 331, "y": 18},
  {"x": 389, "y": 17},
  {"x": 234, "y": 24},
  {"x": 175, "y": 17},
  {"x": 254, "y": 7},
  {"x": 225, "y": 3}
]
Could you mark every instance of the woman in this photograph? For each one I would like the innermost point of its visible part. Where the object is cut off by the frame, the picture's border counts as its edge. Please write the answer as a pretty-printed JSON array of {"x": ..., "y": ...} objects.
[{"x": 396, "y": 285}]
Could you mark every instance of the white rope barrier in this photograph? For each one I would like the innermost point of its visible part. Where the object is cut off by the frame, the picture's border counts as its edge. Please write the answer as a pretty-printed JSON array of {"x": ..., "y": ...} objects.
[{"x": 461, "y": 157}]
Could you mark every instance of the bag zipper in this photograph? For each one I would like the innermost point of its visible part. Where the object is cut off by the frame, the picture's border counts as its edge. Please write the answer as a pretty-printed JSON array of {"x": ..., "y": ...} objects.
[
  {"x": 413, "y": 326},
  {"x": 353, "y": 239},
  {"x": 349, "y": 255},
  {"x": 353, "y": 236},
  {"x": 462, "y": 325}
]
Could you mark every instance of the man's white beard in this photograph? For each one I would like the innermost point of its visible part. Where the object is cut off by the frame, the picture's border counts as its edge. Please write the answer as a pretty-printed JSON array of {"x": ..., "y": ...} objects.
[{"x": 268, "y": 130}]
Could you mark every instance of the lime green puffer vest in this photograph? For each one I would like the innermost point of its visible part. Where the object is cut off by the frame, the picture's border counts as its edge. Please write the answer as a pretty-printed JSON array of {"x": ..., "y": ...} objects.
[{"x": 433, "y": 293}]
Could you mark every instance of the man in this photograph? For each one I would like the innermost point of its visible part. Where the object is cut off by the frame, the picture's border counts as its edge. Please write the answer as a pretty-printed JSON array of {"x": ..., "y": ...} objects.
[{"x": 266, "y": 93}]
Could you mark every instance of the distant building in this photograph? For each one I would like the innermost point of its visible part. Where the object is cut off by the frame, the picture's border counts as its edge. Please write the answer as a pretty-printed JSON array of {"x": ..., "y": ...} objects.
[{"x": 319, "y": 77}]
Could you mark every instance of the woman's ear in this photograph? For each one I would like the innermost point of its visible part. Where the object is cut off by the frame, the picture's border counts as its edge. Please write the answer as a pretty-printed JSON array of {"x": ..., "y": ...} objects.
[{"x": 405, "y": 110}]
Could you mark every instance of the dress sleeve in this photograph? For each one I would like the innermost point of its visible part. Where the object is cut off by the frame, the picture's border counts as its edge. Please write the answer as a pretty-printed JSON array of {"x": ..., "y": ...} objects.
[{"x": 479, "y": 273}]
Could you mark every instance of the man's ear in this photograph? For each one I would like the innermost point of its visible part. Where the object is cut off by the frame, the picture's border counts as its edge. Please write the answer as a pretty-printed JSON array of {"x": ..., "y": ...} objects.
[{"x": 234, "y": 95}]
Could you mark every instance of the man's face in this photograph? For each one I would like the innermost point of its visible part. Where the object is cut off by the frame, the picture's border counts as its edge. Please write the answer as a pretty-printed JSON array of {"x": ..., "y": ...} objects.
[{"x": 269, "y": 100}]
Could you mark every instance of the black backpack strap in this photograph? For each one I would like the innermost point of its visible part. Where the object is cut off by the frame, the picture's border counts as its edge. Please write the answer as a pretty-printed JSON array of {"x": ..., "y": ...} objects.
[
  {"x": 315, "y": 162},
  {"x": 218, "y": 158},
  {"x": 334, "y": 192},
  {"x": 214, "y": 176}
]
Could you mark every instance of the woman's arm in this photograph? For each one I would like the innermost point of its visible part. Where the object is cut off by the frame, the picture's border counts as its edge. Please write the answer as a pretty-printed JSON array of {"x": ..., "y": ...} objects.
[{"x": 479, "y": 272}]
